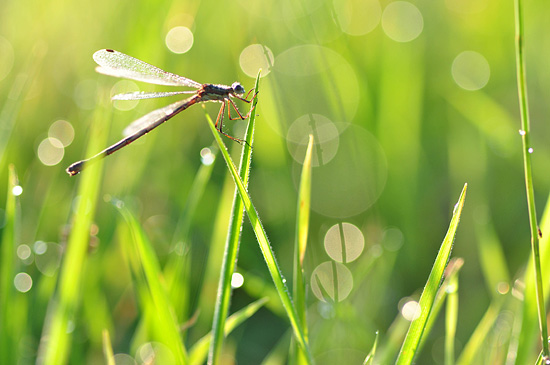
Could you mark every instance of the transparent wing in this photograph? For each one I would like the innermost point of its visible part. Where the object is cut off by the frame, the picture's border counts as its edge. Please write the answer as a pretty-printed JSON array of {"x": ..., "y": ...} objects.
[
  {"x": 114, "y": 63},
  {"x": 138, "y": 95},
  {"x": 157, "y": 116}
]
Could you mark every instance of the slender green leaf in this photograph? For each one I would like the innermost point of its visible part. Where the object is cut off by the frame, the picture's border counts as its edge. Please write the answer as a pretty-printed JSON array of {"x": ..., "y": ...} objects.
[
  {"x": 492, "y": 257},
  {"x": 451, "y": 319},
  {"x": 9, "y": 330},
  {"x": 416, "y": 330},
  {"x": 477, "y": 341},
  {"x": 369, "y": 360},
  {"x": 447, "y": 286},
  {"x": 302, "y": 229},
  {"x": 232, "y": 243},
  {"x": 177, "y": 267},
  {"x": 108, "y": 349},
  {"x": 161, "y": 315},
  {"x": 19, "y": 89},
  {"x": 56, "y": 339},
  {"x": 530, "y": 191},
  {"x": 276, "y": 275}
]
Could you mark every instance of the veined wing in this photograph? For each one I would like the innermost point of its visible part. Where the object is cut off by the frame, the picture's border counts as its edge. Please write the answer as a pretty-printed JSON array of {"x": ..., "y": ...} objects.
[
  {"x": 158, "y": 116},
  {"x": 114, "y": 63},
  {"x": 138, "y": 95}
]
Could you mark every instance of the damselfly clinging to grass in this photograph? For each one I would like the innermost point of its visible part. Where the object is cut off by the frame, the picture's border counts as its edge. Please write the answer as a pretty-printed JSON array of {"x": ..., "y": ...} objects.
[{"x": 118, "y": 64}]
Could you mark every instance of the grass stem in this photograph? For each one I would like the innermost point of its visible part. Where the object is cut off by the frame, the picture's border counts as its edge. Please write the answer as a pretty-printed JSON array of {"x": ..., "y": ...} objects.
[{"x": 527, "y": 151}]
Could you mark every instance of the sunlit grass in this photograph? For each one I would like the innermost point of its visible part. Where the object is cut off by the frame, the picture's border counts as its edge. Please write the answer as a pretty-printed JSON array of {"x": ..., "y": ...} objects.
[
  {"x": 406, "y": 102},
  {"x": 418, "y": 325},
  {"x": 233, "y": 237},
  {"x": 267, "y": 252}
]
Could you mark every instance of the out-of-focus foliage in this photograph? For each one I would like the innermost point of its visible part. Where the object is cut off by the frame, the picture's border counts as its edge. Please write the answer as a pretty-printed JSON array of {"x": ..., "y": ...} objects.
[{"x": 406, "y": 101}]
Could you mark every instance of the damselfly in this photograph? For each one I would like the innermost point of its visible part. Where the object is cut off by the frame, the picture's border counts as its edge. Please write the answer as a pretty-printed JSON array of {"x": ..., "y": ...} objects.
[{"x": 118, "y": 64}]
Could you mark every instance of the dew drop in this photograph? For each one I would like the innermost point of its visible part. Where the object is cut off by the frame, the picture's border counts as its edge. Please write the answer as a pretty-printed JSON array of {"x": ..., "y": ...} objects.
[
  {"x": 237, "y": 280},
  {"x": 521, "y": 132},
  {"x": 455, "y": 208},
  {"x": 530, "y": 150},
  {"x": 17, "y": 190}
]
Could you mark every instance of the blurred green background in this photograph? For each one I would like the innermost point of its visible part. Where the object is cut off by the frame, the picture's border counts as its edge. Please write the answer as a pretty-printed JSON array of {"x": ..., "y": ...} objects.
[{"x": 407, "y": 101}]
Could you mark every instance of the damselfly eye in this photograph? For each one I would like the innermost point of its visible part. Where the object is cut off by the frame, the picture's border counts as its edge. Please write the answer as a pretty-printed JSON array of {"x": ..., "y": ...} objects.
[{"x": 238, "y": 88}]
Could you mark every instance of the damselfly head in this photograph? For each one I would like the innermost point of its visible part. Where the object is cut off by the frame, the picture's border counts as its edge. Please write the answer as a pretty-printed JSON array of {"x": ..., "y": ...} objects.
[{"x": 238, "y": 88}]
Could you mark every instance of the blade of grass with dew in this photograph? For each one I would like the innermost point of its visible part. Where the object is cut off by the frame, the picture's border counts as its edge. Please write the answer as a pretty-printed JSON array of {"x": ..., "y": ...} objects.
[
  {"x": 56, "y": 338},
  {"x": 451, "y": 272},
  {"x": 108, "y": 349},
  {"x": 176, "y": 269},
  {"x": 9, "y": 330},
  {"x": 369, "y": 360},
  {"x": 398, "y": 328},
  {"x": 165, "y": 319},
  {"x": 232, "y": 242},
  {"x": 302, "y": 229},
  {"x": 530, "y": 192},
  {"x": 276, "y": 275},
  {"x": 199, "y": 351},
  {"x": 416, "y": 329}
]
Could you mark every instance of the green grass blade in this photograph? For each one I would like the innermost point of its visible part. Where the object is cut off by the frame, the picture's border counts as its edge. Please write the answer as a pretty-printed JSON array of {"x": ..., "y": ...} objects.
[
  {"x": 393, "y": 340},
  {"x": 176, "y": 268},
  {"x": 162, "y": 315},
  {"x": 492, "y": 257},
  {"x": 195, "y": 194},
  {"x": 9, "y": 331},
  {"x": 529, "y": 321},
  {"x": 108, "y": 349},
  {"x": 530, "y": 192},
  {"x": 265, "y": 247},
  {"x": 56, "y": 339},
  {"x": 199, "y": 351},
  {"x": 416, "y": 330},
  {"x": 17, "y": 94},
  {"x": 232, "y": 243},
  {"x": 477, "y": 340},
  {"x": 447, "y": 286},
  {"x": 451, "y": 318},
  {"x": 302, "y": 229},
  {"x": 369, "y": 360}
]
